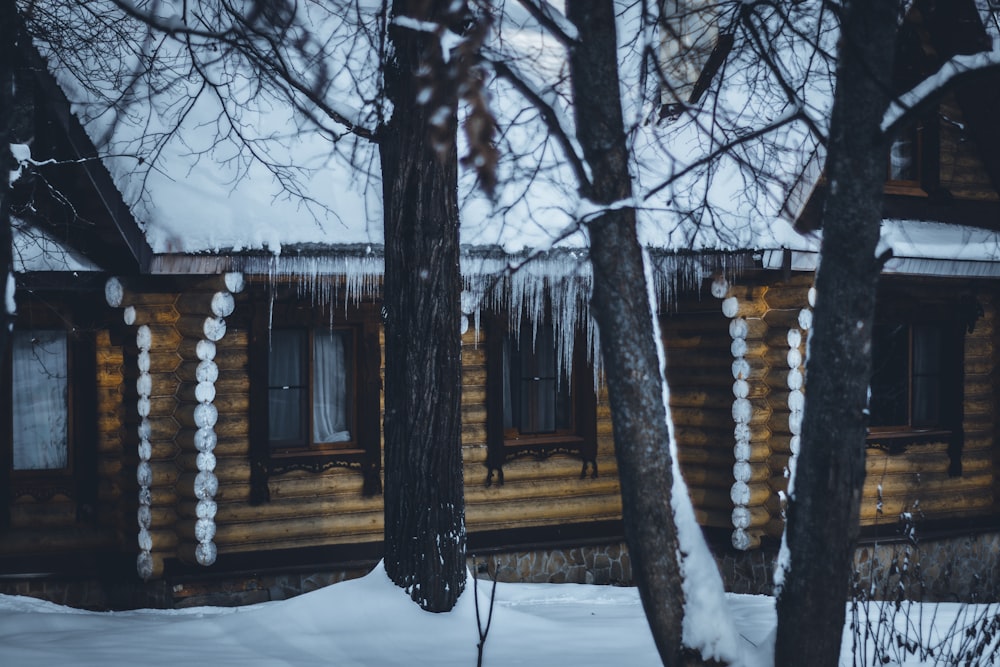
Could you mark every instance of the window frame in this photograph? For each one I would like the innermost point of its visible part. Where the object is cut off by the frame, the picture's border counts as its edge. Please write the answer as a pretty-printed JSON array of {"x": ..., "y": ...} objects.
[
  {"x": 280, "y": 304},
  {"x": 502, "y": 445},
  {"x": 77, "y": 480},
  {"x": 309, "y": 446},
  {"x": 910, "y": 310}
]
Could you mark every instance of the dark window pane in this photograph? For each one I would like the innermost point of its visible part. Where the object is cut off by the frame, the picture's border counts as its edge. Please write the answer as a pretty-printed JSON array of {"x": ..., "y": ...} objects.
[
  {"x": 40, "y": 400},
  {"x": 536, "y": 398},
  {"x": 287, "y": 392},
  {"x": 890, "y": 376},
  {"x": 284, "y": 409},
  {"x": 287, "y": 354},
  {"x": 927, "y": 374}
]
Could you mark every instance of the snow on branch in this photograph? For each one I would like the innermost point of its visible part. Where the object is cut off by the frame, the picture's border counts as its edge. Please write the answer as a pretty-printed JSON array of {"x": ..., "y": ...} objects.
[
  {"x": 903, "y": 110},
  {"x": 552, "y": 20},
  {"x": 449, "y": 40}
]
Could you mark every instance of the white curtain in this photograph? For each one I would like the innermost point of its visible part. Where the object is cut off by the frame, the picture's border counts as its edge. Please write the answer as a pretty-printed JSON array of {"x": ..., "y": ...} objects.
[
  {"x": 40, "y": 400},
  {"x": 331, "y": 382}
]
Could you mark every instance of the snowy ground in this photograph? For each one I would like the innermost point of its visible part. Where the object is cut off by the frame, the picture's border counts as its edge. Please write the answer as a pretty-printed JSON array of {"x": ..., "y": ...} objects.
[{"x": 370, "y": 622}]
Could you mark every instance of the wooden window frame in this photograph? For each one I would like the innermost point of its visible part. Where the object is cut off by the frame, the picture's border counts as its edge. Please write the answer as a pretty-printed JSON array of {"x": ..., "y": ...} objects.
[
  {"x": 927, "y": 155},
  {"x": 504, "y": 446},
  {"x": 363, "y": 452},
  {"x": 77, "y": 480},
  {"x": 308, "y": 446},
  {"x": 910, "y": 311}
]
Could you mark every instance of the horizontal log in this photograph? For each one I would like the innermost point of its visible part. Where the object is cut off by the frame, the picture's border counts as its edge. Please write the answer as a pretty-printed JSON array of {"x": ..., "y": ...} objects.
[
  {"x": 156, "y": 314},
  {"x": 717, "y": 339},
  {"x": 781, "y": 320},
  {"x": 699, "y": 398},
  {"x": 202, "y": 326},
  {"x": 926, "y": 484},
  {"x": 514, "y": 512},
  {"x": 356, "y": 524},
  {"x": 688, "y": 360},
  {"x": 920, "y": 462},
  {"x": 966, "y": 504},
  {"x": 787, "y": 296},
  {"x": 473, "y": 414},
  {"x": 473, "y": 394},
  {"x": 233, "y": 282},
  {"x": 557, "y": 468},
  {"x": 53, "y": 514},
  {"x": 743, "y": 306},
  {"x": 122, "y": 293},
  {"x": 217, "y": 303},
  {"x": 699, "y": 457}
]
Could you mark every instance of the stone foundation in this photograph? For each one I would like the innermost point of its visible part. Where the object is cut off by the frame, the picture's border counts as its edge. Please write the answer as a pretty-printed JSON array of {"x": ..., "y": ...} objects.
[
  {"x": 961, "y": 569},
  {"x": 601, "y": 564}
]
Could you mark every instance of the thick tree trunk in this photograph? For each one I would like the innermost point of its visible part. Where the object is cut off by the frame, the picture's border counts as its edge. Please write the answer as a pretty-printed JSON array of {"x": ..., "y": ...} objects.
[
  {"x": 621, "y": 309},
  {"x": 8, "y": 56},
  {"x": 823, "y": 514},
  {"x": 424, "y": 502}
]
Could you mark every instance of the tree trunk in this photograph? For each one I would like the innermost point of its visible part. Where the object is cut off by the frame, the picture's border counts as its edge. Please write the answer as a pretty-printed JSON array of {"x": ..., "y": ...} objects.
[
  {"x": 8, "y": 57},
  {"x": 621, "y": 309},
  {"x": 424, "y": 502},
  {"x": 823, "y": 514}
]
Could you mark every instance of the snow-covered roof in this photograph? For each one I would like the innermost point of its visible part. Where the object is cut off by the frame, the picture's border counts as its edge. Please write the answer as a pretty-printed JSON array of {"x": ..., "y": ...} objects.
[
  {"x": 36, "y": 250},
  {"x": 243, "y": 179}
]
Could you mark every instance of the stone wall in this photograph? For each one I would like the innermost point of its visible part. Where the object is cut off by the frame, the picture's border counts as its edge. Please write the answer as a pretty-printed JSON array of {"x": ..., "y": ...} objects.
[{"x": 962, "y": 568}]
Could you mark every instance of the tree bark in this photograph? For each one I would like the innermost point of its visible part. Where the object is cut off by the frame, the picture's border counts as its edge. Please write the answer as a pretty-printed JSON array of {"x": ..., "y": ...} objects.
[
  {"x": 8, "y": 57},
  {"x": 622, "y": 311},
  {"x": 822, "y": 524},
  {"x": 424, "y": 502}
]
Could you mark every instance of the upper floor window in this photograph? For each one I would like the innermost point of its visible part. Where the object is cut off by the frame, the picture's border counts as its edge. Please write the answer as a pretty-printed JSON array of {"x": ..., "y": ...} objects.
[
  {"x": 535, "y": 405},
  {"x": 315, "y": 388}
]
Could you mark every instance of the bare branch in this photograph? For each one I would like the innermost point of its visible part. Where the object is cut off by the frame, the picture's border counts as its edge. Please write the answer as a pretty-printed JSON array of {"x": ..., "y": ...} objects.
[{"x": 549, "y": 116}]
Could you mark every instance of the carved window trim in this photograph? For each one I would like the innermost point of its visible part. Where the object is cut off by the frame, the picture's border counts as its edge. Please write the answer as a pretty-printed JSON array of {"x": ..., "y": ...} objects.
[
  {"x": 282, "y": 310},
  {"x": 502, "y": 445}
]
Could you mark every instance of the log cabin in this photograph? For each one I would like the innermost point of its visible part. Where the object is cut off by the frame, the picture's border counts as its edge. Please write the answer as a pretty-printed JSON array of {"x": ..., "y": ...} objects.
[{"x": 195, "y": 394}]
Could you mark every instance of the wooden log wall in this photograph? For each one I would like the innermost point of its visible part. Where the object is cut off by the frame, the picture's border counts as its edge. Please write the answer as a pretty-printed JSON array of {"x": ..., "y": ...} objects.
[
  {"x": 700, "y": 375},
  {"x": 961, "y": 170},
  {"x": 110, "y": 429},
  {"x": 719, "y": 353},
  {"x": 151, "y": 363}
]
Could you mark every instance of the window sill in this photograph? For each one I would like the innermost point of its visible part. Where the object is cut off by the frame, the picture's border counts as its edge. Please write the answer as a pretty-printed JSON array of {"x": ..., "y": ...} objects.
[
  {"x": 895, "y": 441},
  {"x": 906, "y": 188}
]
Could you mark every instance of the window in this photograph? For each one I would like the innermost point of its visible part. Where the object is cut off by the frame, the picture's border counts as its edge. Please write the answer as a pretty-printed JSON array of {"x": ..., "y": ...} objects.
[
  {"x": 40, "y": 400},
  {"x": 310, "y": 389},
  {"x": 315, "y": 388},
  {"x": 904, "y": 158},
  {"x": 537, "y": 406},
  {"x": 917, "y": 369},
  {"x": 50, "y": 395}
]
